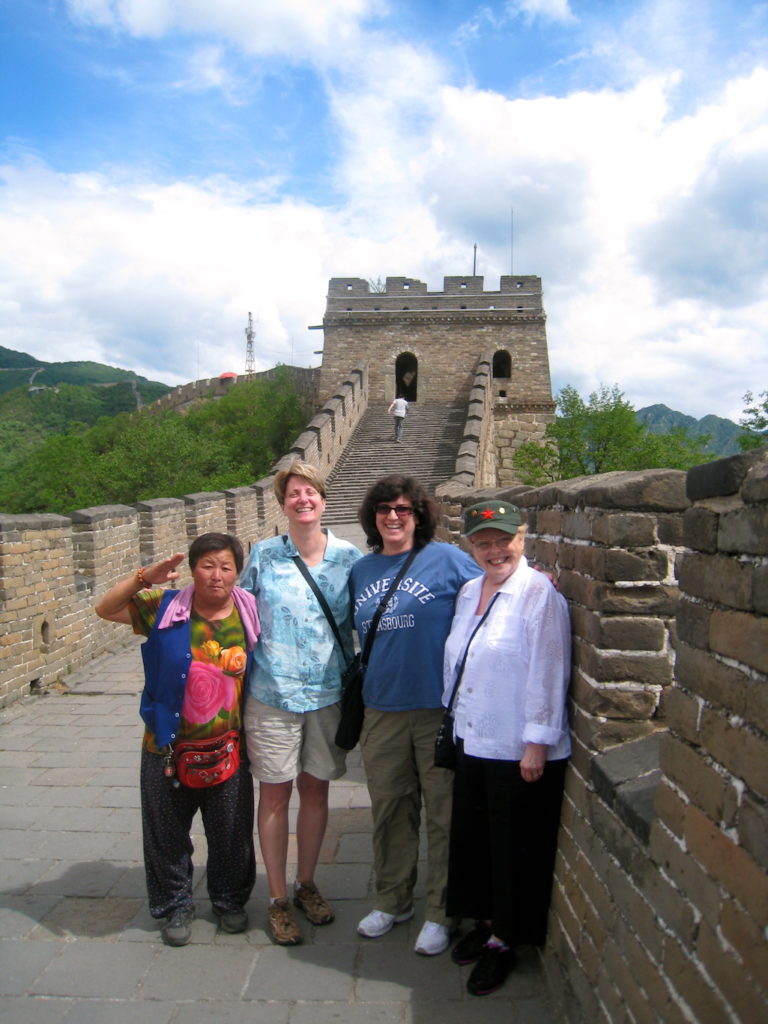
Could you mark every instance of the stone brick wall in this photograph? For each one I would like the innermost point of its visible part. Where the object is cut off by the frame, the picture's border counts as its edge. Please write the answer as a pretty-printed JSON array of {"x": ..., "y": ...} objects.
[
  {"x": 304, "y": 379},
  {"x": 54, "y": 568},
  {"x": 660, "y": 899},
  {"x": 513, "y": 426}
]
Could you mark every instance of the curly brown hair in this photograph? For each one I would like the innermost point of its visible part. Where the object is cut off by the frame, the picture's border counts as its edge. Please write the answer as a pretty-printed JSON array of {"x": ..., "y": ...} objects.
[{"x": 389, "y": 488}]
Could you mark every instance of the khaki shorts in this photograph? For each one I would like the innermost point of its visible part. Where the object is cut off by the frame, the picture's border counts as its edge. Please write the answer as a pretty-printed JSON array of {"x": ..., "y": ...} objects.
[{"x": 283, "y": 744}]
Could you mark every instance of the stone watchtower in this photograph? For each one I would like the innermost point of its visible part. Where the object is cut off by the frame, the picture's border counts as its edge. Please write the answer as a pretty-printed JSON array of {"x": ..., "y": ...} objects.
[{"x": 426, "y": 347}]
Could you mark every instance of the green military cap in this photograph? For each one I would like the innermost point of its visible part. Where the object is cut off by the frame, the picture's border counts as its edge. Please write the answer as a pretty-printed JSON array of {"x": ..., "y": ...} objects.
[{"x": 501, "y": 515}]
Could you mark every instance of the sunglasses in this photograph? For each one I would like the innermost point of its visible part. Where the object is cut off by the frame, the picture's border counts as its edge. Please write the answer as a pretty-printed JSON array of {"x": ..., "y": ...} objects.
[{"x": 401, "y": 511}]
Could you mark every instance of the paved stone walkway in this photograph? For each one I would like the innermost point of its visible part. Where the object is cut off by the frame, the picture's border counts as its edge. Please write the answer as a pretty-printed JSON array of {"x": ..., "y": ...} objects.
[{"x": 77, "y": 944}]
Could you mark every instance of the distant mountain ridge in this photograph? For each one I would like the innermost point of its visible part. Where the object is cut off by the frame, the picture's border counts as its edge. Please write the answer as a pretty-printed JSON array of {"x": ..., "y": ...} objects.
[
  {"x": 19, "y": 369},
  {"x": 38, "y": 399},
  {"x": 723, "y": 433}
]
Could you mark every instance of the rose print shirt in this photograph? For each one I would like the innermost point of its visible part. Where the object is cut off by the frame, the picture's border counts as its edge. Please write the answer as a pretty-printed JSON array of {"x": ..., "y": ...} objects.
[{"x": 212, "y": 698}]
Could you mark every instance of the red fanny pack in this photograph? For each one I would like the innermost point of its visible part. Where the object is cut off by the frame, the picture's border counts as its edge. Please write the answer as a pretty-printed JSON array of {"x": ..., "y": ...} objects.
[{"x": 202, "y": 763}]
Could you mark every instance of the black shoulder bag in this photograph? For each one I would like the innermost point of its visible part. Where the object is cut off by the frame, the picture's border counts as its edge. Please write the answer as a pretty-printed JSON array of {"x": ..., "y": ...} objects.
[{"x": 445, "y": 743}]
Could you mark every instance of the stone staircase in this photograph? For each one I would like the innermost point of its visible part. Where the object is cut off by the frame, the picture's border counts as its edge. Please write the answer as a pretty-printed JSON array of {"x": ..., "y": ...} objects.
[{"x": 428, "y": 449}]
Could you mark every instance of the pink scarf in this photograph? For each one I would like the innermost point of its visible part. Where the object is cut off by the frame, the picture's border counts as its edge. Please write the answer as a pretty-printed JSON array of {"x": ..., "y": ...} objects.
[{"x": 180, "y": 607}]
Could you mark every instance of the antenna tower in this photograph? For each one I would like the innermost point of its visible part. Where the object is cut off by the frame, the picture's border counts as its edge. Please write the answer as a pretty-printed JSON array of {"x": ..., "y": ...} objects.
[{"x": 250, "y": 364}]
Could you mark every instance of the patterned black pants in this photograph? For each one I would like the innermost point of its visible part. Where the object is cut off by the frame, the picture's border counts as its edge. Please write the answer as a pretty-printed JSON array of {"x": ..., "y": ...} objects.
[{"x": 166, "y": 816}]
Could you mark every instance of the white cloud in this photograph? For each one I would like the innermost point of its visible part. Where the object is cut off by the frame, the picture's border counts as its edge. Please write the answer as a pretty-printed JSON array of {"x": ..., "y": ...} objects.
[
  {"x": 644, "y": 222},
  {"x": 606, "y": 188},
  {"x": 128, "y": 272},
  {"x": 296, "y": 29},
  {"x": 548, "y": 10},
  {"x": 206, "y": 68}
]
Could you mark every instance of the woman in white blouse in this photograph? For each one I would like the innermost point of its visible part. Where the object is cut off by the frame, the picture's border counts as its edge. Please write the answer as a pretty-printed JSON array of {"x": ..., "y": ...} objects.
[{"x": 513, "y": 743}]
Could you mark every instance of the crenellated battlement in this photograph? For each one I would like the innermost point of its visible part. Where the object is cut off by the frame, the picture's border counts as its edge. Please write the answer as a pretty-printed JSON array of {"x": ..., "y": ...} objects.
[{"x": 408, "y": 295}]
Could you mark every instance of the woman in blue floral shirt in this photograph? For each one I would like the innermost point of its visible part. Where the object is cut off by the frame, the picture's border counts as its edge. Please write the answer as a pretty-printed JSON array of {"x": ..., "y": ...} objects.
[{"x": 292, "y": 709}]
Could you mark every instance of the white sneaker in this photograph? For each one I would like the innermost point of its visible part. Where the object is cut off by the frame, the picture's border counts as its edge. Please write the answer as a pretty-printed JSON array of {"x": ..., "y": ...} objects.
[
  {"x": 433, "y": 939},
  {"x": 378, "y": 922}
]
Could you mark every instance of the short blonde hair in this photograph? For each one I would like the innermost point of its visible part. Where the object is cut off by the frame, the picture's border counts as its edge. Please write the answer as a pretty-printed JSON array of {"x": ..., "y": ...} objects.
[{"x": 306, "y": 471}]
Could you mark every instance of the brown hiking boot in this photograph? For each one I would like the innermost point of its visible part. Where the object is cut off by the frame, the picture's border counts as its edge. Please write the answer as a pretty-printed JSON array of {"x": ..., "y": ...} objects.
[
  {"x": 308, "y": 899},
  {"x": 282, "y": 924}
]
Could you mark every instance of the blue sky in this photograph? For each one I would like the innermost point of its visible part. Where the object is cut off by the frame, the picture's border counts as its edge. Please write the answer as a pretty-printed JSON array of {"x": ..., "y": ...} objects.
[{"x": 167, "y": 166}]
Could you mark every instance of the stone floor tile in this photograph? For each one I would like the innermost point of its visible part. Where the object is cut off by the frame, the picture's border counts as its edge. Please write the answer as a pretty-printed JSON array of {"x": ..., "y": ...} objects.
[
  {"x": 194, "y": 972},
  {"x": 80, "y": 878},
  {"x": 118, "y": 795},
  {"x": 250, "y": 1012},
  {"x": 18, "y": 876},
  {"x": 120, "y": 819},
  {"x": 21, "y": 962},
  {"x": 87, "y": 917},
  {"x": 344, "y": 881},
  {"x": 351, "y": 1013},
  {"x": 33, "y": 1010},
  {"x": 308, "y": 972},
  {"x": 125, "y": 845},
  {"x": 72, "y": 846},
  {"x": 387, "y": 973},
  {"x": 21, "y": 817},
  {"x": 96, "y": 1011},
  {"x": 497, "y": 1008},
  {"x": 354, "y": 849},
  {"x": 89, "y": 968}
]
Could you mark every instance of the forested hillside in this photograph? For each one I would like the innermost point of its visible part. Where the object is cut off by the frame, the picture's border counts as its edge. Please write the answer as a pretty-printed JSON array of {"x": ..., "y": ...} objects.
[
  {"x": 132, "y": 456},
  {"x": 38, "y": 399}
]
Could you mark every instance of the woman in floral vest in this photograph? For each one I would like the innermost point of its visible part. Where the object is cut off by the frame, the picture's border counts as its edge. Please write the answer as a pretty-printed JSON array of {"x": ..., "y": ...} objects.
[{"x": 195, "y": 656}]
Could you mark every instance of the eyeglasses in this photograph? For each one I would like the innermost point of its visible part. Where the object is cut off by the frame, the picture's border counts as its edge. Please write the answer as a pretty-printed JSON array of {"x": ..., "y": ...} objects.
[
  {"x": 489, "y": 545},
  {"x": 401, "y": 511}
]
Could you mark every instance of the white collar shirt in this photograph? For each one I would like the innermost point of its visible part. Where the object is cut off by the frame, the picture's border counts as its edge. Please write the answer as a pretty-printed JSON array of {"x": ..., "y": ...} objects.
[{"x": 515, "y": 681}]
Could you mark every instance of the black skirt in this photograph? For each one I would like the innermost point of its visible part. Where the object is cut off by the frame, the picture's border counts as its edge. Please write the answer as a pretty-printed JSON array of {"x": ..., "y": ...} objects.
[{"x": 503, "y": 846}]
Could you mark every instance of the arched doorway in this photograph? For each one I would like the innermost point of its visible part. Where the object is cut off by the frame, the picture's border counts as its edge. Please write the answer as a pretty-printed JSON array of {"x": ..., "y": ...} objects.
[
  {"x": 406, "y": 376},
  {"x": 502, "y": 364}
]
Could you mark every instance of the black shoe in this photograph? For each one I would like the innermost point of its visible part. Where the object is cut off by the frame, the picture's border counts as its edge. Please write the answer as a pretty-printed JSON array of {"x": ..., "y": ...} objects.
[
  {"x": 177, "y": 930},
  {"x": 231, "y": 921},
  {"x": 470, "y": 947},
  {"x": 491, "y": 970}
]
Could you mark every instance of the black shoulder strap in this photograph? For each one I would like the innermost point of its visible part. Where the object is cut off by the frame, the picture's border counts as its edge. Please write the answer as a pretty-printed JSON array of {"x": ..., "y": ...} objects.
[
  {"x": 300, "y": 564},
  {"x": 382, "y": 605},
  {"x": 460, "y": 672}
]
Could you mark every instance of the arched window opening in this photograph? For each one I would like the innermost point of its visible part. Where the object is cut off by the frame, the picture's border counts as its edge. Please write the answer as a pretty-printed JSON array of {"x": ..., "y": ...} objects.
[
  {"x": 502, "y": 364},
  {"x": 406, "y": 376}
]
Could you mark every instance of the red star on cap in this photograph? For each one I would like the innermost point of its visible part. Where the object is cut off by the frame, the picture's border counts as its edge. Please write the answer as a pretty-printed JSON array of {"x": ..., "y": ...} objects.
[{"x": 488, "y": 513}]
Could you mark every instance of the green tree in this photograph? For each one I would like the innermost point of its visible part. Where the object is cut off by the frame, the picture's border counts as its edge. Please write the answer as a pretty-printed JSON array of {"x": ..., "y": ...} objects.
[
  {"x": 600, "y": 435},
  {"x": 754, "y": 421},
  {"x": 151, "y": 454},
  {"x": 256, "y": 422}
]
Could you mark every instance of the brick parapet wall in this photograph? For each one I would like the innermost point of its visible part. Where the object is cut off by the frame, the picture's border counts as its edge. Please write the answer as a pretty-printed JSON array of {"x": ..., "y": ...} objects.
[
  {"x": 476, "y": 458},
  {"x": 304, "y": 380},
  {"x": 660, "y": 898},
  {"x": 514, "y": 425}
]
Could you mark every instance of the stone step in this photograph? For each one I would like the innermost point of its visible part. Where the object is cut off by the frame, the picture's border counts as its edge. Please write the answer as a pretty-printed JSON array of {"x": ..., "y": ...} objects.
[{"x": 427, "y": 450}]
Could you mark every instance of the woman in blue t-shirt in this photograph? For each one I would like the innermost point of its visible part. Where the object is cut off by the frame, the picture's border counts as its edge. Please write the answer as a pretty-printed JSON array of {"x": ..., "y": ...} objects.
[{"x": 402, "y": 694}]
